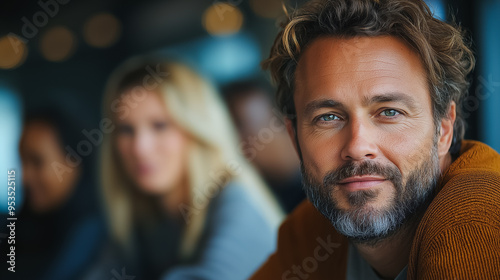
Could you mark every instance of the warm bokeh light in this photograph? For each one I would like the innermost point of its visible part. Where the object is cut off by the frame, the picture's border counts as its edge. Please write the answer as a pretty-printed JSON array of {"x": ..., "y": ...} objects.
[
  {"x": 12, "y": 52},
  {"x": 222, "y": 19},
  {"x": 267, "y": 8},
  {"x": 102, "y": 30},
  {"x": 57, "y": 44}
]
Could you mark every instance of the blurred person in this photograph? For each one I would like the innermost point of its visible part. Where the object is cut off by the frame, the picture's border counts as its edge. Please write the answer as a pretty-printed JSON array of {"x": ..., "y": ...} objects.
[
  {"x": 264, "y": 140},
  {"x": 59, "y": 229},
  {"x": 374, "y": 93},
  {"x": 182, "y": 202}
]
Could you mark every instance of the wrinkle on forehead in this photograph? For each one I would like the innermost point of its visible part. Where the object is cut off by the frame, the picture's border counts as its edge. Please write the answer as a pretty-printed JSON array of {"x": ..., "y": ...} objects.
[{"x": 335, "y": 60}]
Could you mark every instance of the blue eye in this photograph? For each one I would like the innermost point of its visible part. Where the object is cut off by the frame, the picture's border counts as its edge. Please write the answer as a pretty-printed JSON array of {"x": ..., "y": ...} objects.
[
  {"x": 389, "y": 113},
  {"x": 329, "y": 117}
]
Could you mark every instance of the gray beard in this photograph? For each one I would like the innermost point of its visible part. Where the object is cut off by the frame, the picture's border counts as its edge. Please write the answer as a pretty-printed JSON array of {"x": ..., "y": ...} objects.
[{"x": 364, "y": 224}]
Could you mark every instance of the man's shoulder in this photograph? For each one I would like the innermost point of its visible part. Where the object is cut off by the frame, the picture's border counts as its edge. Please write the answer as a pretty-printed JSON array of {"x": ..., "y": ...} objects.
[
  {"x": 465, "y": 198},
  {"x": 459, "y": 230},
  {"x": 469, "y": 189},
  {"x": 472, "y": 181},
  {"x": 475, "y": 160},
  {"x": 469, "y": 193},
  {"x": 308, "y": 246}
]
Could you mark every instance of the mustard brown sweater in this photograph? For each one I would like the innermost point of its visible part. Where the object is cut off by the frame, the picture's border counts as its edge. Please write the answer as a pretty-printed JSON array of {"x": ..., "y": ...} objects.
[{"x": 457, "y": 238}]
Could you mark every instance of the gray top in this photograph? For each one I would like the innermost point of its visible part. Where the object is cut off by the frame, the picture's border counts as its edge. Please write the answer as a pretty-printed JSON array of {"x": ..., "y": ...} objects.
[
  {"x": 237, "y": 242},
  {"x": 237, "y": 239},
  {"x": 358, "y": 268}
]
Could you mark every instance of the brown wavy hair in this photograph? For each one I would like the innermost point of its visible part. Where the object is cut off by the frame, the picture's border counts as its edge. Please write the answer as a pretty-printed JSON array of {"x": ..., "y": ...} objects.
[{"x": 443, "y": 47}]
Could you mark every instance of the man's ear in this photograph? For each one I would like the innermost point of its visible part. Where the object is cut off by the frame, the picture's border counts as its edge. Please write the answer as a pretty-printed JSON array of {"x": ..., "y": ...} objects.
[
  {"x": 446, "y": 130},
  {"x": 290, "y": 128}
]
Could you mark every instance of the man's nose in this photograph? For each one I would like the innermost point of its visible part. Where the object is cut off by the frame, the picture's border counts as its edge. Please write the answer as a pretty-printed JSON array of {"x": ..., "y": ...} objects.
[{"x": 360, "y": 137}]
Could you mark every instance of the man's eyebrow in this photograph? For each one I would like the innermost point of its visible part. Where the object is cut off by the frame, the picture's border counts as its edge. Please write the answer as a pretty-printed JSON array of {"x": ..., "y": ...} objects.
[
  {"x": 406, "y": 99},
  {"x": 321, "y": 103}
]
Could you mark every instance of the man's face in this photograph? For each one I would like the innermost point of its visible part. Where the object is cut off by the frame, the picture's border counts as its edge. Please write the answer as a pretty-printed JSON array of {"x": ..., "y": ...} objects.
[{"x": 366, "y": 133}]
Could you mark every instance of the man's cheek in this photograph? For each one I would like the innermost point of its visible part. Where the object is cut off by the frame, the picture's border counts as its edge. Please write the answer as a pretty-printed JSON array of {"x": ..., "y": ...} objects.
[
  {"x": 319, "y": 159},
  {"x": 315, "y": 169}
]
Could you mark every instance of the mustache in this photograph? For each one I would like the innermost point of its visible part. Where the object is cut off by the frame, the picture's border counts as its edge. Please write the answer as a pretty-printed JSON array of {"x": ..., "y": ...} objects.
[{"x": 351, "y": 168}]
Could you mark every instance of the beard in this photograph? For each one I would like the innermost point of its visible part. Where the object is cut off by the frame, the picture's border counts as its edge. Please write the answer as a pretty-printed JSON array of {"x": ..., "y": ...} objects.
[{"x": 364, "y": 224}]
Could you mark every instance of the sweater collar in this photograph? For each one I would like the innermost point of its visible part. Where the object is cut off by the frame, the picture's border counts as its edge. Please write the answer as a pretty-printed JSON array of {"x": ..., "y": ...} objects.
[{"x": 473, "y": 155}]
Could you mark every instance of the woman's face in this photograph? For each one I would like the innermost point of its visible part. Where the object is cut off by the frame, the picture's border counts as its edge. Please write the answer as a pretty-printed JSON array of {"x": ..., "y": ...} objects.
[
  {"x": 40, "y": 148},
  {"x": 151, "y": 148}
]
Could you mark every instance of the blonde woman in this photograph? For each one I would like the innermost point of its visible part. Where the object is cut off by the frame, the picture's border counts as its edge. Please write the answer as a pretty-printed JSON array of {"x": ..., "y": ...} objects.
[{"x": 182, "y": 201}]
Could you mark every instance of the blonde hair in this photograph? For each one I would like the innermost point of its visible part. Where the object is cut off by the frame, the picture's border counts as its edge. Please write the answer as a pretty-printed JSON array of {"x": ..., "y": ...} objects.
[{"x": 195, "y": 107}]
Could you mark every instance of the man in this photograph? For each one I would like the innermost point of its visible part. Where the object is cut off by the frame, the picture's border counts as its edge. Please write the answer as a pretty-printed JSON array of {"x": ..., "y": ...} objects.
[
  {"x": 264, "y": 140},
  {"x": 373, "y": 93}
]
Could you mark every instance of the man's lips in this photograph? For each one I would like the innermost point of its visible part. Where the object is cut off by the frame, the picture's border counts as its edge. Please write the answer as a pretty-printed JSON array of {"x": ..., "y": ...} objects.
[{"x": 361, "y": 182}]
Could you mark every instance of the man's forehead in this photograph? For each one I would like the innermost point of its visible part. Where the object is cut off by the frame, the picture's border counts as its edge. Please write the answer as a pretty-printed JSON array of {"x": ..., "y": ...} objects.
[
  {"x": 340, "y": 54},
  {"x": 372, "y": 64}
]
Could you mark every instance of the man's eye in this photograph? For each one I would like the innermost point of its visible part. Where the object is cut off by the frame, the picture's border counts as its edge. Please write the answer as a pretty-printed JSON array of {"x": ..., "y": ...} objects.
[
  {"x": 329, "y": 117},
  {"x": 389, "y": 113}
]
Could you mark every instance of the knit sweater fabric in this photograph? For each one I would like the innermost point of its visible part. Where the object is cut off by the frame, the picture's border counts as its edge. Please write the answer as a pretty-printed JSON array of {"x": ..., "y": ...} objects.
[{"x": 458, "y": 236}]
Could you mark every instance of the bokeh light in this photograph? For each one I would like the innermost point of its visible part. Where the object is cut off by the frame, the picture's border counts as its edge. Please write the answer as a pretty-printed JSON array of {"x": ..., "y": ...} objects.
[
  {"x": 57, "y": 44},
  {"x": 222, "y": 19},
  {"x": 102, "y": 30},
  {"x": 13, "y": 52}
]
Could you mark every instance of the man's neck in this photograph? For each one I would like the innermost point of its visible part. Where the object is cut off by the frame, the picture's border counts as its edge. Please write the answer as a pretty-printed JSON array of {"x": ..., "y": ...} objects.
[
  {"x": 445, "y": 162},
  {"x": 389, "y": 257}
]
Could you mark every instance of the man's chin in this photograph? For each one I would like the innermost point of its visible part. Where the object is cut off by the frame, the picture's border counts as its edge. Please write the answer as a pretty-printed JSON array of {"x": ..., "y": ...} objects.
[
  {"x": 368, "y": 210},
  {"x": 365, "y": 213},
  {"x": 368, "y": 223},
  {"x": 358, "y": 200}
]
